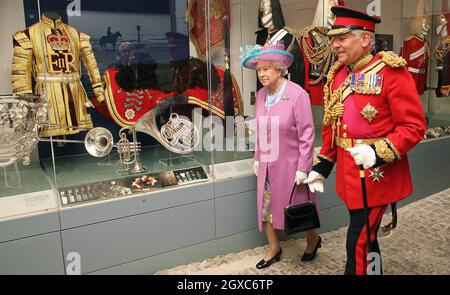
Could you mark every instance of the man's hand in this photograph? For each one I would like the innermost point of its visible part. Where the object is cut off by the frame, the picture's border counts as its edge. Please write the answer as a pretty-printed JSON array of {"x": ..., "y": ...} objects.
[
  {"x": 300, "y": 176},
  {"x": 315, "y": 182},
  {"x": 363, "y": 155},
  {"x": 255, "y": 167}
]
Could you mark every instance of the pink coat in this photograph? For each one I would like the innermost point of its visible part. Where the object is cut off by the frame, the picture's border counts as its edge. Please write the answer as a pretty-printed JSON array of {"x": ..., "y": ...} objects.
[{"x": 284, "y": 145}]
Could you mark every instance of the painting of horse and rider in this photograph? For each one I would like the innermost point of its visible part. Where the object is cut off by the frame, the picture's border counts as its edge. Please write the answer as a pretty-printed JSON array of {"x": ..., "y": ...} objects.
[{"x": 110, "y": 38}]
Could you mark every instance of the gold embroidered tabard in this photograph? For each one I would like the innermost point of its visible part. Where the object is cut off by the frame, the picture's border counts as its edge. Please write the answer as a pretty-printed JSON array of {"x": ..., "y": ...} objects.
[{"x": 50, "y": 52}]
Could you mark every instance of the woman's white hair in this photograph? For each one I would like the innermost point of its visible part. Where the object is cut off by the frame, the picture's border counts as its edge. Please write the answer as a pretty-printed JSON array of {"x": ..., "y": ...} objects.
[
  {"x": 280, "y": 66},
  {"x": 358, "y": 33}
]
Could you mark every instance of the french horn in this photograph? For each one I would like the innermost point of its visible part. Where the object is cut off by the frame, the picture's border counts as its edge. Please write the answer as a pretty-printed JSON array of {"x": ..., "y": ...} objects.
[{"x": 178, "y": 135}]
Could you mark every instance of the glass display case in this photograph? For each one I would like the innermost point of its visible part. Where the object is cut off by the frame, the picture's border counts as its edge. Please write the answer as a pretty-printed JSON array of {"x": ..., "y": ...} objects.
[
  {"x": 161, "y": 89},
  {"x": 134, "y": 101},
  {"x": 107, "y": 100}
]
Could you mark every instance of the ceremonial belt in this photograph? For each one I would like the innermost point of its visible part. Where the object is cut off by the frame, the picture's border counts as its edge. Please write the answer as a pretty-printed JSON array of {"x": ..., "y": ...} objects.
[
  {"x": 416, "y": 71},
  {"x": 351, "y": 142},
  {"x": 58, "y": 78},
  {"x": 372, "y": 69}
]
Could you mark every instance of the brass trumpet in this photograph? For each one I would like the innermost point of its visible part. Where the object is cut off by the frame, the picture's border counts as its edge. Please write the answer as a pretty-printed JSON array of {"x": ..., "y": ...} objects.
[
  {"x": 129, "y": 152},
  {"x": 98, "y": 142}
]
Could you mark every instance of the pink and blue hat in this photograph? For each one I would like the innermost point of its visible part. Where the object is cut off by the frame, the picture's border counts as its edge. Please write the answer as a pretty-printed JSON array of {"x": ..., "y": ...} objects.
[{"x": 251, "y": 55}]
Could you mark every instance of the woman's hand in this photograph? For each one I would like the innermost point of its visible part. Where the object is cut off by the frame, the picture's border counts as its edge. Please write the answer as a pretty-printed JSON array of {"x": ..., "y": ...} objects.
[{"x": 255, "y": 167}]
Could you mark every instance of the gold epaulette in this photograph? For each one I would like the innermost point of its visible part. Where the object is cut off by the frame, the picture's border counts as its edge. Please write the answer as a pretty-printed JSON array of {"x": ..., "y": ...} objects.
[{"x": 392, "y": 59}]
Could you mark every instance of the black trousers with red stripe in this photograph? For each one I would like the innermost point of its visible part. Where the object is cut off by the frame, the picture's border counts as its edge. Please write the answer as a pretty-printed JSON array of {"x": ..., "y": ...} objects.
[{"x": 357, "y": 249}]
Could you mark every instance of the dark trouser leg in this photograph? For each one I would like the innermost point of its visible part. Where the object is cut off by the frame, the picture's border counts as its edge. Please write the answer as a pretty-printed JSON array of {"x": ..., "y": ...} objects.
[{"x": 357, "y": 239}]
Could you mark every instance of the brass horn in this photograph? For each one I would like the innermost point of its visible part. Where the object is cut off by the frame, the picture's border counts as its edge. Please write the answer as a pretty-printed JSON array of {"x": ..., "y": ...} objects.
[
  {"x": 178, "y": 135},
  {"x": 129, "y": 152},
  {"x": 98, "y": 142}
]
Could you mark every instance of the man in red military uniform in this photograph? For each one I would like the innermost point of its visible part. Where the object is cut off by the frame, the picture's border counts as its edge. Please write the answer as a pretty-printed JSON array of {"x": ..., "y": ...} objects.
[{"x": 372, "y": 117}]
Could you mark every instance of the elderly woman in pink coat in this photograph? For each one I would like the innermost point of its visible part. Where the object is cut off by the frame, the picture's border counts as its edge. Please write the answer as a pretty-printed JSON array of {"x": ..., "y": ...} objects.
[{"x": 284, "y": 145}]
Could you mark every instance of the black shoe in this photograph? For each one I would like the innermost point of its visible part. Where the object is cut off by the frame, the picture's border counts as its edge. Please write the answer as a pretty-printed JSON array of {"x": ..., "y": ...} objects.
[
  {"x": 266, "y": 263},
  {"x": 310, "y": 256}
]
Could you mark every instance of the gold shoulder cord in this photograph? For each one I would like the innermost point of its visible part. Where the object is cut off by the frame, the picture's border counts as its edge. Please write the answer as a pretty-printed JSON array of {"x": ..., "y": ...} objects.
[{"x": 333, "y": 106}]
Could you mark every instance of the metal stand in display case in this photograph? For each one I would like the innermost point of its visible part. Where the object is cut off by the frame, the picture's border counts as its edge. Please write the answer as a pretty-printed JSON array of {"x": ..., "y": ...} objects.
[
  {"x": 177, "y": 160},
  {"x": 11, "y": 176}
]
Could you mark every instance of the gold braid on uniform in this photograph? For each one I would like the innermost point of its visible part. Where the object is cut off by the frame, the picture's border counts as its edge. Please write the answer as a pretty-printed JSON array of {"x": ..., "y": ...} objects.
[
  {"x": 385, "y": 152},
  {"x": 392, "y": 59},
  {"x": 332, "y": 101},
  {"x": 321, "y": 55},
  {"x": 329, "y": 99}
]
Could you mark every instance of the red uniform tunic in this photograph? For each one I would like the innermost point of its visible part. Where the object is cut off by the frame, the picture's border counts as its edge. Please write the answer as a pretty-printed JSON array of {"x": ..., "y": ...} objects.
[
  {"x": 398, "y": 119},
  {"x": 416, "y": 53}
]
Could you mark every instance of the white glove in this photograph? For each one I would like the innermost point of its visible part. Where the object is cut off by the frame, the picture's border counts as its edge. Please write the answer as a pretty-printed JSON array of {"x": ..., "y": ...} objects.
[
  {"x": 363, "y": 155},
  {"x": 315, "y": 181},
  {"x": 255, "y": 167},
  {"x": 300, "y": 176}
]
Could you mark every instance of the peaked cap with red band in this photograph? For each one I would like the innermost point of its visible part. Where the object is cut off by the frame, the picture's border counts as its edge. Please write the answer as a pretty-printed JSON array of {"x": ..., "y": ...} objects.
[{"x": 349, "y": 19}]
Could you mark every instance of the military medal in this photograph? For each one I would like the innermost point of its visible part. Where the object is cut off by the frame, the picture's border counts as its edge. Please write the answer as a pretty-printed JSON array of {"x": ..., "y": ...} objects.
[
  {"x": 366, "y": 83},
  {"x": 369, "y": 112},
  {"x": 376, "y": 83},
  {"x": 366, "y": 87},
  {"x": 379, "y": 84},
  {"x": 353, "y": 82},
  {"x": 376, "y": 174}
]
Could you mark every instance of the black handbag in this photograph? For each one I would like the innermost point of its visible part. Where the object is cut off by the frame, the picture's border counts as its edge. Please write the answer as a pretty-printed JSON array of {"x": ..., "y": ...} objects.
[{"x": 302, "y": 217}]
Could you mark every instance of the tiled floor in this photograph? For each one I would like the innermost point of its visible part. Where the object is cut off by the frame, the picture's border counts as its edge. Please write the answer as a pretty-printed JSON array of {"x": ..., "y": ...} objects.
[{"x": 419, "y": 245}]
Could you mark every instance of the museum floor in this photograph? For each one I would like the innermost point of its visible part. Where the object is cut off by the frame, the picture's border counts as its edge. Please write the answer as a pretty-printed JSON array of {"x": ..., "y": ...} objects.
[{"x": 420, "y": 245}]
